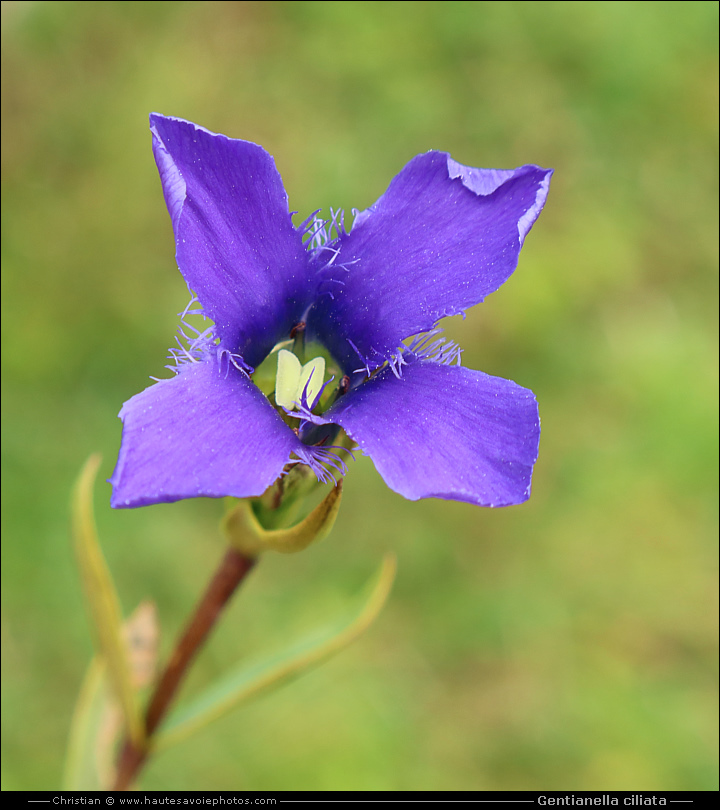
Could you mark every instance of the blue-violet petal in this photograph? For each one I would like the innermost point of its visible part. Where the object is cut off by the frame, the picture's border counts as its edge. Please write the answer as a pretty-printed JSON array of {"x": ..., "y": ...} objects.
[
  {"x": 207, "y": 432},
  {"x": 235, "y": 242},
  {"x": 445, "y": 432},
  {"x": 441, "y": 238}
]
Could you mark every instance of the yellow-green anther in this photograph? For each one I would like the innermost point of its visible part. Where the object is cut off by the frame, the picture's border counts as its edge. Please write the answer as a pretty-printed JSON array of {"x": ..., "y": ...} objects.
[{"x": 292, "y": 377}]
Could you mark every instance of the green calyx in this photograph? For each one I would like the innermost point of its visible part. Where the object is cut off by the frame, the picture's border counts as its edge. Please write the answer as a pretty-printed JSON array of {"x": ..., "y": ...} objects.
[{"x": 245, "y": 533}]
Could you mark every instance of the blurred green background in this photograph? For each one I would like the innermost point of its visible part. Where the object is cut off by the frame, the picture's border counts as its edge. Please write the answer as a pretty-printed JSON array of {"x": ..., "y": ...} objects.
[{"x": 568, "y": 643}]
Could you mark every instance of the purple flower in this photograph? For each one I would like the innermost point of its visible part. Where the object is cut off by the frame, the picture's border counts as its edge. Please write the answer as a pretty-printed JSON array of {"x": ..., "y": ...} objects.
[{"x": 441, "y": 238}]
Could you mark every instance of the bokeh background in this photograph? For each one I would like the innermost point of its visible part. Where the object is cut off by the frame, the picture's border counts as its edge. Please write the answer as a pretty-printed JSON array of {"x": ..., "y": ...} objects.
[{"x": 568, "y": 643}]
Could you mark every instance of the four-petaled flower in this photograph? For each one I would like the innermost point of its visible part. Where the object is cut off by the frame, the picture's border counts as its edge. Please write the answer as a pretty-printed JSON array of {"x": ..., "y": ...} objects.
[{"x": 441, "y": 238}]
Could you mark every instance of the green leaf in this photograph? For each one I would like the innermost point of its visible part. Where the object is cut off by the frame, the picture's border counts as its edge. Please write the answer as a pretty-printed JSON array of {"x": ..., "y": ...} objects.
[
  {"x": 102, "y": 599},
  {"x": 250, "y": 680},
  {"x": 245, "y": 533}
]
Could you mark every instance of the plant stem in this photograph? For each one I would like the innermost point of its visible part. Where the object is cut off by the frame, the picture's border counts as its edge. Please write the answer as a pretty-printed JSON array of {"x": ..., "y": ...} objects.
[{"x": 231, "y": 572}]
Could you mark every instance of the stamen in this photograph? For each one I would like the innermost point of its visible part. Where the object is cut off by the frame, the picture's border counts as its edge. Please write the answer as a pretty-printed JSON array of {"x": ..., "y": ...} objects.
[
  {"x": 299, "y": 327},
  {"x": 297, "y": 334}
]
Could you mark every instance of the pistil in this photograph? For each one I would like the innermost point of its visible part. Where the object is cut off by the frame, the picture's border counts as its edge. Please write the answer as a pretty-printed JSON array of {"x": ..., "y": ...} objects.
[{"x": 293, "y": 379}]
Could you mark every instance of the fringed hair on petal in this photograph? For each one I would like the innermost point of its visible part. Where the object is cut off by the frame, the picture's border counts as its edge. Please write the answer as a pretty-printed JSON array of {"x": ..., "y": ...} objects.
[
  {"x": 320, "y": 458},
  {"x": 319, "y": 232},
  {"x": 366, "y": 363},
  {"x": 194, "y": 344},
  {"x": 321, "y": 241},
  {"x": 226, "y": 358},
  {"x": 425, "y": 346},
  {"x": 396, "y": 362}
]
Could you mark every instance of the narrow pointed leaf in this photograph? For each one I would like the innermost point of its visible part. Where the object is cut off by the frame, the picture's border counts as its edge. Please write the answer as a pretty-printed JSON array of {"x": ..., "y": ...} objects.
[
  {"x": 102, "y": 599},
  {"x": 250, "y": 680},
  {"x": 245, "y": 533}
]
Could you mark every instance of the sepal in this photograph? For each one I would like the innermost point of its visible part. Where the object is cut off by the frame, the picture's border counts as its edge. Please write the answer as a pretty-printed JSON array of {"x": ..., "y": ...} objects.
[{"x": 245, "y": 533}]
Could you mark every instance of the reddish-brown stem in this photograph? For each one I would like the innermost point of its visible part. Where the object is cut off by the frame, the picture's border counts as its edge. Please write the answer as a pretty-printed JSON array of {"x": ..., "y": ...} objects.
[{"x": 231, "y": 572}]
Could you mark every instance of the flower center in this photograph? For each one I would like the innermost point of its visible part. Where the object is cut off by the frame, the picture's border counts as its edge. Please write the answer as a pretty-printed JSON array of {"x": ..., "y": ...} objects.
[{"x": 295, "y": 382}]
